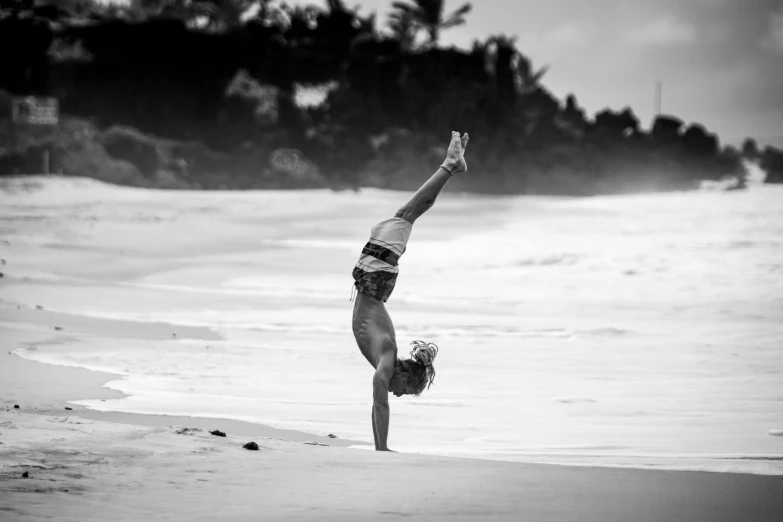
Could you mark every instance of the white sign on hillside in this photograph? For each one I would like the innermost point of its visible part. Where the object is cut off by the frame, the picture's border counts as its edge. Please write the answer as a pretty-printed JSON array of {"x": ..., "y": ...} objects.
[{"x": 35, "y": 110}]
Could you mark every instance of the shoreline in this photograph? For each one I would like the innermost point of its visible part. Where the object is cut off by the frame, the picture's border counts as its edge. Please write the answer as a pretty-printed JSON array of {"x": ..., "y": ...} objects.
[
  {"x": 89, "y": 465},
  {"x": 60, "y": 384},
  {"x": 48, "y": 388},
  {"x": 83, "y": 384}
]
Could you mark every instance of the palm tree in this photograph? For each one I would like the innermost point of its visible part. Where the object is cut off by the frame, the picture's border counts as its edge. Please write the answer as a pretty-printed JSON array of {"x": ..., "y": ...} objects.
[
  {"x": 403, "y": 28},
  {"x": 428, "y": 14},
  {"x": 512, "y": 69}
]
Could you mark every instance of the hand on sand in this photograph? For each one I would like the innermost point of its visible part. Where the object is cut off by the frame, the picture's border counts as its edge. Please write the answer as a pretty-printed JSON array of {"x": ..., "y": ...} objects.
[{"x": 455, "y": 156}]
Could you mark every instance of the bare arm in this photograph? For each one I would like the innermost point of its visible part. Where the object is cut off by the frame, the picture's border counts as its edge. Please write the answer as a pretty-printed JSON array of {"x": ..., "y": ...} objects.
[
  {"x": 380, "y": 406},
  {"x": 374, "y": 431}
]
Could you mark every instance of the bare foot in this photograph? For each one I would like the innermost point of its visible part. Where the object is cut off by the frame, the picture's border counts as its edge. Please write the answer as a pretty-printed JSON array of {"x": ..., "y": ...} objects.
[{"x": 455, "y": 156}]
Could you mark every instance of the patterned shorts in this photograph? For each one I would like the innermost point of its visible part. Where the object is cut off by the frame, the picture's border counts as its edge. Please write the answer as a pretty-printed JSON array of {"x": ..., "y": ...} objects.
[{"x": 375, "y": 274}]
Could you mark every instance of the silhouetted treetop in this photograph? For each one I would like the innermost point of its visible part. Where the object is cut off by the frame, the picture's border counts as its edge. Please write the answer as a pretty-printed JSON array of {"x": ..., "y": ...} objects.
[{"x": 429, "y": 15}]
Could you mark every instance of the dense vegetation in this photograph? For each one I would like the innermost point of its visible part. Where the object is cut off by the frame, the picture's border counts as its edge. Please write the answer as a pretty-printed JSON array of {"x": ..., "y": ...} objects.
[{"x": 204, "y": 93}]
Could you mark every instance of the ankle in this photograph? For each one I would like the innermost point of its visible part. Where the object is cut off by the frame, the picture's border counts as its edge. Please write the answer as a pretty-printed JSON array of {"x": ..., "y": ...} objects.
[
  {"x": 453, "y": 166},
  {"x": 448, "y": 168}
]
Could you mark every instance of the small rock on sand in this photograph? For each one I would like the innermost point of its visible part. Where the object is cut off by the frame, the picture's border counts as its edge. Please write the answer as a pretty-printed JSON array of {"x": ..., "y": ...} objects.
[
  {"x": 251, "y": 446},
  {"x": 2, "y": 274},
  {"x": 218, "y": 433},
  {"x": 67, "y": 408},
  {"x": 38, "y": 307},
  {"x": 16, "y": 406},
  {"x": 25, "y": 475},
  {"x": 185, "y": 431},
  {"x": 776, "y": 433},
  {"x": 58, "y": 328},
  {"x": 332, "y": 436}
]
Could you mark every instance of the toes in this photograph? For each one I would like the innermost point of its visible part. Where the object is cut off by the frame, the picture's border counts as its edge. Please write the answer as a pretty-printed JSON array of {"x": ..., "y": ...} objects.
[{"x": 465, "y": 138}]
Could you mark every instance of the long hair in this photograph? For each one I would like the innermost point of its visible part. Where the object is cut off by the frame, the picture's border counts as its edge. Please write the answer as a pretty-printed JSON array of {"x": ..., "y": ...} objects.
[{"x": 420, "y": 370}]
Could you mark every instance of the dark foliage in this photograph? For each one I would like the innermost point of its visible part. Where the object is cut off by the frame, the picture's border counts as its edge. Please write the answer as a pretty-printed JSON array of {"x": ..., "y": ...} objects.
[
  {"x": 772, "y": 163},
  {"x": 218, "y": 88}
]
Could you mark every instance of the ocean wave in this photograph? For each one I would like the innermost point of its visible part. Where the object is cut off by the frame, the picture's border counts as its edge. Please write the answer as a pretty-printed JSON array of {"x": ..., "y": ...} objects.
[
  {"x": 242, "y": 288},
  {"x": 31, "y": 353},
  {"x": 482, "y": 331},
  {"x": 566, "y": 259},
  {"x": 574, "y": 400},
  {"x": 417, "y": 330},
  {"x": 606, "y": 331},
  {"x": 239, "y": 320},
  {"x": 327, "y": 244},
  {"x": 246, "y": 320}
]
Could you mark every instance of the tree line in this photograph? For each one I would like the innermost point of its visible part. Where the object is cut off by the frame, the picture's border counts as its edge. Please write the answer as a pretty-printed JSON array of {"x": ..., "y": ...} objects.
[{"x": 259, "y": 93}]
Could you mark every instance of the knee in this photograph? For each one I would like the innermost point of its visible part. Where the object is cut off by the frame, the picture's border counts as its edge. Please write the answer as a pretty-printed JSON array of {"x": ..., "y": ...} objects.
[
  {"x": 411, "y": 213},
  {"x": 406, "y": 213}
]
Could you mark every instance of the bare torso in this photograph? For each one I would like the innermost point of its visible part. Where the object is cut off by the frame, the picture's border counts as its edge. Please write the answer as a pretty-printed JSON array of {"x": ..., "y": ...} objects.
[{"x": 371, "y": 327}]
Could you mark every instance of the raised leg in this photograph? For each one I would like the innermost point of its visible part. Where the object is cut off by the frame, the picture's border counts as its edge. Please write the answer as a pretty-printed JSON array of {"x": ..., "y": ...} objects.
[{"x": 425, "y": 197}]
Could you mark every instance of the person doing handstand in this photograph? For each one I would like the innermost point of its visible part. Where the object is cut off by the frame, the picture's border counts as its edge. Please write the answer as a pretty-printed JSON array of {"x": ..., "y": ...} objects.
[{"x": 375, "y": 275}]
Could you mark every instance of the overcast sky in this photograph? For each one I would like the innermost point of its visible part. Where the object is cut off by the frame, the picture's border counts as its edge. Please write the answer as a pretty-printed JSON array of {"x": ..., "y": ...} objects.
[{"x": 721, "y": 61}]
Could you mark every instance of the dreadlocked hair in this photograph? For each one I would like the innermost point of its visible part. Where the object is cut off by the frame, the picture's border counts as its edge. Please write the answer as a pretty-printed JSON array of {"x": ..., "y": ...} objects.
[{"x": 421, "y": 372}]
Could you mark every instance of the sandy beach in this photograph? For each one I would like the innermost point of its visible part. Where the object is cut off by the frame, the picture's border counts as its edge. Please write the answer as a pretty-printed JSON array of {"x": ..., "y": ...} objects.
[
  {"x": 81, "y": 468},
  {"x": 88, "y": 465},
  {"x": 157, "y": 317}
]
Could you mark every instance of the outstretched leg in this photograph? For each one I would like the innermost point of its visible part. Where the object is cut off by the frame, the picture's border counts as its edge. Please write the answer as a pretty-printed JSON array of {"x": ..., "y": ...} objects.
[{"x": 425, "y": 197}]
